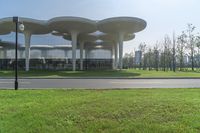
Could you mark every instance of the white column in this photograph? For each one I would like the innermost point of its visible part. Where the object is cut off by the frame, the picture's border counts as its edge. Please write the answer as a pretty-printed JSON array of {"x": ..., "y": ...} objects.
[
  {"x": 27, "y": 48},
  {"x": 81, "y": 55},
  {"x": 74, "y": 35},
  {"x": 113, "y": 56},
  {"x": 121, "y": 39},
  {"x": 116, "y": 55}
]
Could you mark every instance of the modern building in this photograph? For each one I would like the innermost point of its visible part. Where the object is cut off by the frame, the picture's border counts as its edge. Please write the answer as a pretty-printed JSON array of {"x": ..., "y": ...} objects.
[
  {"x": 94, "y": 44},
  {"x": 138, "y": 57}
]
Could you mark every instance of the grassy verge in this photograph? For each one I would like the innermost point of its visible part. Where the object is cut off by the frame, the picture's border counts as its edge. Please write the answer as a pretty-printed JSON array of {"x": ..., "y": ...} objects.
[
  {"x": 129, "y": 73},
  {"x": 139, "y": 110}
]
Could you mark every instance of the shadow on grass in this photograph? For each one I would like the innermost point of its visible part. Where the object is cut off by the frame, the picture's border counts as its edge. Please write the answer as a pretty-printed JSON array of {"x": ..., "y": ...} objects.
[
  {"x": 91, "y": 73},
  {"x": 196, "y": 71}
]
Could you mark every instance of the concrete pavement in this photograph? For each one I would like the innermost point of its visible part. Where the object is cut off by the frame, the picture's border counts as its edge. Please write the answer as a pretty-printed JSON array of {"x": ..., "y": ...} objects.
[{"x": 100, "y": 83}]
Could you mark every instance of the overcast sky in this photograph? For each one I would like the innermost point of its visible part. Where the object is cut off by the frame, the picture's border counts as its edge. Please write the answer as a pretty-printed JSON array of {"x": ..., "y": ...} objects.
[{"x": 162, "y": 16}]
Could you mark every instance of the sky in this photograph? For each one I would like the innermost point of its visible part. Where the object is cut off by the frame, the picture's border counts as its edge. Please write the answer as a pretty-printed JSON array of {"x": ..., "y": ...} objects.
[{"x": 162, "y": 16}]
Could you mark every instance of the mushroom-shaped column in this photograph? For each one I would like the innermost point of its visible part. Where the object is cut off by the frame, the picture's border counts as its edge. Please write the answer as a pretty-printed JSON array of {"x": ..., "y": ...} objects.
[
  {"x": 74, "y": 46},
  {"x": 82, "y": 39},
  {"x": 27, "y": 36},
  {"x": 116, "y": 55},
  {"x": 73, "y": 26},
  {"x": 114, "y": 39},
  {"x": 121, "y": 38},
  {"x": 73, "y": 37},
  {"x": 32, "y": 26},
  {"x": 120, "y": 26},
  {"x": 113, "y": 56},
  {"x": 81, "y": 55}
]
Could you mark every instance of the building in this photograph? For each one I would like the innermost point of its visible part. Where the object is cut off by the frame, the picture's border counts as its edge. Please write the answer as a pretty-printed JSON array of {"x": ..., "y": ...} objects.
[
  {"x": 91, "y": 39},
  {"x": 138, "y": 57}
]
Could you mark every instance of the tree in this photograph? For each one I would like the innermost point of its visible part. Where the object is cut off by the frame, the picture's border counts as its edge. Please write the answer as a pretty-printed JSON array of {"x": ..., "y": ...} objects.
[
  {"x": 156, "y": 57},
  {"x": 191, "y": 43},
  {"x": 174, "y": 53},
  {"x": 197, "y": 41},
  {"x": 181, "y": 44},
  {"x": 142, "y": 48},
  {"x": 128, "y": 60},
  {"x": 167, "y": 54},
  {"x": 149, "y": 55}
]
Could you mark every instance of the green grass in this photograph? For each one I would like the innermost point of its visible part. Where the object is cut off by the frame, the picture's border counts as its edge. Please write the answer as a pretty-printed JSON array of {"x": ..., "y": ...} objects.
[
  {"x": 128, "y": 73},
  {"x": 93, "y": 111}
]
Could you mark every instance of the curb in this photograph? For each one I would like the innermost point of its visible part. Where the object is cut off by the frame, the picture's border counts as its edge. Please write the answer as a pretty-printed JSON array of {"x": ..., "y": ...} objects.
[{"x": 102, "y": 78}]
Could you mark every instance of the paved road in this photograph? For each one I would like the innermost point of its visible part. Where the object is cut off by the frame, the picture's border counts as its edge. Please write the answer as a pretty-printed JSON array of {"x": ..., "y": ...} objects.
[{"x": 101, "y": 83}]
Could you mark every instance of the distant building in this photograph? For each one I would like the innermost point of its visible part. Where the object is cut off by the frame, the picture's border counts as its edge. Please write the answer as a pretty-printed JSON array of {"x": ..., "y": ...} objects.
[{"x": 138, "y": 57}]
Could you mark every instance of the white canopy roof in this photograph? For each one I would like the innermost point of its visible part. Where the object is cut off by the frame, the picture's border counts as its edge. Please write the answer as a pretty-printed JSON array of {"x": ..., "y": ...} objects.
[{"x": 89, "y": 30}]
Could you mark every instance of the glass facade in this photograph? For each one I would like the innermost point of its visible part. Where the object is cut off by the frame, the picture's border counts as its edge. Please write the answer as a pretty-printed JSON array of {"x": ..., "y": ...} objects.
[
  {"x": 57, "y": 59},
  {"x": 56, "y": 64}
]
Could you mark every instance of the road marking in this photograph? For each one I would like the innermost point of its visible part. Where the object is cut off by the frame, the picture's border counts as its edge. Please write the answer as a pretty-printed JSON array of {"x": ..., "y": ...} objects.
[
  {"x": 5, "y": 82},
  {"x": 6, "y": 88},
  {"x": 13, "y": 82},
  {"x": 130, "y": 82}
]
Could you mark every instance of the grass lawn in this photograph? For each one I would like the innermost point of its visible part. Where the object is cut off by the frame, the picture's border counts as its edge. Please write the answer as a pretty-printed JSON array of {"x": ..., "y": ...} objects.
[
  {"x": 129, "y": 73},
  {"x": 93, "y": 111}
]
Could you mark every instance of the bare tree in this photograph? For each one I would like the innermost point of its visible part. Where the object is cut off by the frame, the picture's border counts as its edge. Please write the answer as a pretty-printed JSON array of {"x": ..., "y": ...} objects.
[
  {"x": 191, "y": 43},
  {"x": 197, "y": 41},
  {"x": 156, "y": 57},
  {"x": 128, "y": 60},
  {"x": 142, "y": 48},
  {"x": 181, "y": 45},
  {"x": 171, "y": 53},
  {"x": 174, "y": 53},
  {"x": 149, "y": 58},
  {"x": 167, "y": 53}
]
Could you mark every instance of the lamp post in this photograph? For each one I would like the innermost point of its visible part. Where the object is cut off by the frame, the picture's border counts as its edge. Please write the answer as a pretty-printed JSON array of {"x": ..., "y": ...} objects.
[{"x": 21, "y": 27}]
